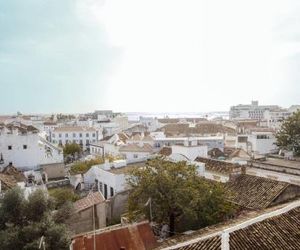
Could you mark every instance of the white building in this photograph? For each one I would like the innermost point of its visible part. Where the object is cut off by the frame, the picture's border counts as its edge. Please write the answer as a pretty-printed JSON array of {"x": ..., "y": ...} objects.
[
  {"x": 275, "y": 118},
  {"x": 151, "y": 123},
  {"x": 136, "y": 152},
  {"x": 48, "y": 128},
  {"x": 257, "y": 142},
  {"x": 109, "y": 177},
  {"x": 210, "y": 141},
  {"x": 76, "y": 134},
  {"x": 141, "y": 139},
  {"x": 23, "y": 147},
  {"x": 250, "y": 111},
  {"x": 121, "y": 121},
  {"x": 110, "y": 146}
]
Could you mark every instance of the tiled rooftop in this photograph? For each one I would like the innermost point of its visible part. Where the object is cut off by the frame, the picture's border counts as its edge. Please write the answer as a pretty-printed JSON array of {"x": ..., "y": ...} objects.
[
  {"x": 88, "y": 201},
  {"x": 74, "y": 128},
  {"x": 219, "y": 166},
  {"x": 255, "y": 192},
  {"x": 133, "y": 147},
  {"x": 134, "y": 237},
  {"x": 279, "y": 232}
]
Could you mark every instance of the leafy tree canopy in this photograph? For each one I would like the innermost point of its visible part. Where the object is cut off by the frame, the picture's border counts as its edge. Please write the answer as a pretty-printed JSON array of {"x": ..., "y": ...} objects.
[
  {"x": 176, "y": 191},
  {"x": 24, "y": 221},
  {"x": 72, "y": 149},
  {"x": 288, "y": 136},
  {"x": 82, "y": 167},
  {"x": 63, "y": 195}
]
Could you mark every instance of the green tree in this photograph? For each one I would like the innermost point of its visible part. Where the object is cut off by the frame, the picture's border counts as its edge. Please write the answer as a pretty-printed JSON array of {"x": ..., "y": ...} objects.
[
  {"x": 63, "y": 195},
  {"x": 176, "y": 191},
  {"x": 24, "y": 221},
  {"x": 288, "y": 137},
  {"x": 72, "y": 149},
  {"x": 83, "y": 167}
]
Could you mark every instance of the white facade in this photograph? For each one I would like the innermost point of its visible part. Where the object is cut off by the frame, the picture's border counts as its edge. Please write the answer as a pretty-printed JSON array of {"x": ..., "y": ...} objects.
[
  {"x": 211, "y": 141},
  {"x": 263, "y": 142},
  {"x": 190, "y": 152},
  {"x": 109, "y": 181},
  {"x": 75, "y": 134},
  {"x": 275, "y": 118},
  {"x": 151, "y": 123},
  {"x": 251, "y": 111},
  {"x": 121, "y": 121},
  {"x": 27, "y": 150},
  {"x": 257, "y": 142}
]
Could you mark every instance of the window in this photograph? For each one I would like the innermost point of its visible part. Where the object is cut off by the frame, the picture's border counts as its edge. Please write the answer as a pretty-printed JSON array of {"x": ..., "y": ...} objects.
[
  {"x": 94, "y": 135},
  {"x": 60, "y": 142},
  {"x": 53, "y": 135},
  {"x": 9, "y": 147},
  {"x": 24, "y": 146},
  {"x": 87, "y": 142},
  {"x": 101, "y": 187},
  {"x": 59, "y": 135},
  {"x": 111, "y": 192},
  {"x": 262, "y": 137},
  {"x": 80, "y": 142},
  {"x": 87, "y": 135},
  {"x": 105, "y": 191},
  {"x": 80, "y": 135},
  {"x": 74, "y": 135},
  {"x": 135, "y": 156},
  {"x": 66, "y": 135}
]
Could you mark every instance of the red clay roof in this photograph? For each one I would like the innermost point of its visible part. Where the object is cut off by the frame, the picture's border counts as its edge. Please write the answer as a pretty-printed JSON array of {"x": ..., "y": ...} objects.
[{"x": 134, "y": 237}]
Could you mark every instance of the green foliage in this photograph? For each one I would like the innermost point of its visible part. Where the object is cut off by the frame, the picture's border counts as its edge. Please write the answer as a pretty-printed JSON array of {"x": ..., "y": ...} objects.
[
  {"x": 288, "y": 136},
  {"x": 176, "y": 191},
  {"x": 72, "y": 149},
  {"x": 83, "y": 167},
  {"x": 24, "y": 222},
  {"x": 63, "y": 195}
]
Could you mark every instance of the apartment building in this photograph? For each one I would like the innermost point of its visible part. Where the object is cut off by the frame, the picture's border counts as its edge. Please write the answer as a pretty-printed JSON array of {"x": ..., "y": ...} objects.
[{"x": 76, "y": 134}]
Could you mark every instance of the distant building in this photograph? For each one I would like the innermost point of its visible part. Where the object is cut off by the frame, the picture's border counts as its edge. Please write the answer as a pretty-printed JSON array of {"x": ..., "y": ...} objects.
[
  {"x": 151, "y": 123},
  {"x": 250, "y": 111}
]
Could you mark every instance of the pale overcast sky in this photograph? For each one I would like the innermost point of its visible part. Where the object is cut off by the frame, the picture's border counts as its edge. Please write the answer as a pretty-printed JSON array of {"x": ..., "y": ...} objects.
[{"x": 154, "y": 55}]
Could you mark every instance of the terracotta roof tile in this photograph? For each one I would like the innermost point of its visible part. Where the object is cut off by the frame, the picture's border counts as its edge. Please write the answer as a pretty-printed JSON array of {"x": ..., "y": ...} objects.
[
  {"x": 166, "y": 151},
  {"x": 279, "y": 232},
  {"x": 255, "y": 192},
  {"x": 134, "y": 237},
  {"x": 212, "y": 243},
  {"x": 219, "y": 166}
]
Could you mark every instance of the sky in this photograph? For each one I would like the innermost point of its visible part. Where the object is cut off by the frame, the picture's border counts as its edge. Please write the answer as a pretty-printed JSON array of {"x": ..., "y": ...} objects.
[{"x": 76, "y": 56}]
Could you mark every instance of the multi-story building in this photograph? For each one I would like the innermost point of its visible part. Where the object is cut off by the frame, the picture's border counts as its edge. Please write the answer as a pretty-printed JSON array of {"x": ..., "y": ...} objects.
[
  {"x": 76, "y": 134},
  {"x": 23, "y": 147},
  {"x": 250, "y": 111}
]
